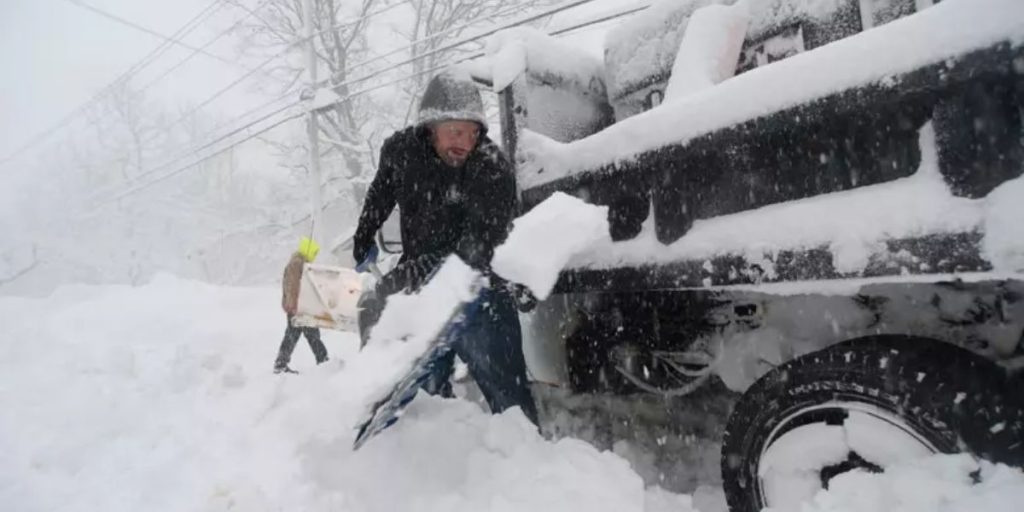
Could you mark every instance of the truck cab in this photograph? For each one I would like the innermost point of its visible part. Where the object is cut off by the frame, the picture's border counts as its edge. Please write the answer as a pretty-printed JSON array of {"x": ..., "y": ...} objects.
[{"x": 827, "y": 237}]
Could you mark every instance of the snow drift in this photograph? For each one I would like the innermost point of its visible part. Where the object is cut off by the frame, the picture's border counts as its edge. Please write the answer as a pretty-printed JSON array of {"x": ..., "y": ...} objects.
[{"x": 161, "y": 397}]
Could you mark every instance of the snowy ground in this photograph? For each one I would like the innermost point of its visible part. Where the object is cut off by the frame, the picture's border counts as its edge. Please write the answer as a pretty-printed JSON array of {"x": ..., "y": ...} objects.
[{"x": 161, "y": 398}]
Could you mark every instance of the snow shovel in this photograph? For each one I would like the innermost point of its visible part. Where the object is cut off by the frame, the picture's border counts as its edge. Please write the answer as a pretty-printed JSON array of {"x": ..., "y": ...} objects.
[{"x": 386, "y": 411}]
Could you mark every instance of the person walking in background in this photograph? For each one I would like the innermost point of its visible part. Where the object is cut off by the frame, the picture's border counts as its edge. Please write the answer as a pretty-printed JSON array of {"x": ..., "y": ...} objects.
[{"x": 307, "y": 252}]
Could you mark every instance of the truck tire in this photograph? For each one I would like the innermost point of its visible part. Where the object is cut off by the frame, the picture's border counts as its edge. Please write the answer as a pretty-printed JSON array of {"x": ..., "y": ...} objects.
[{"x": 926, "y": 396}]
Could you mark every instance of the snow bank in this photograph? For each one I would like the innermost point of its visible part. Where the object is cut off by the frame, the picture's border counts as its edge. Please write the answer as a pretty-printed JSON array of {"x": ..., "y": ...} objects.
[
  {"x": 161, "y": 397},
  {"x": 852, "y": 223},
  {"x": 709, "y": 50},
  {"x": 933, "y": 35},
  {"x": 544, "y": 240}
]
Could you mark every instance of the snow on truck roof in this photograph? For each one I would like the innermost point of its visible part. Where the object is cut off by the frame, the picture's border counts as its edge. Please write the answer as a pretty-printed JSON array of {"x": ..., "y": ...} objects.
[
  {"x": 646, "y": 44},
  {"x": 510, "y": 50},
  {"x": 945, "y": 31}
]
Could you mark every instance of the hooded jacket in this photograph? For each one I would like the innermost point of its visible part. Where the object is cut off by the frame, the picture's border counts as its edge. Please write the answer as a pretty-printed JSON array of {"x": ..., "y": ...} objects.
[
  {"x": 451, "y": 97},
  {"x": 464, "y": 210}
]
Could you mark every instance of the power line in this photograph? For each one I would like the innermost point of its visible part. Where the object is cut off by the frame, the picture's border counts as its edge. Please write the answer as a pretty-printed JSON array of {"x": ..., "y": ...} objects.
[
  {"x": 347, "y": 98},
  {"x": 482, "y": 54},
  {"x": 355, "y": 21},
  {"x": 193, "y": 54},
  {"x": 191, "y": 112},
  {"x": 477, "y": 55},
  {"x": 225, "y": 136},
  {"x": 257, "y": 108},
  {"x": 151, "y": 32},
  {"x": 173, "y": 39},
  {"x": 602, "y": 19},
  {"x": 265, "y": 63},
  {"x": 133, "y": 69},
  {"x": 220, "y": 92},
  {"x": 233, "y": 84},
  {"x": 185, "y": 30},
  {"x": 449, "y": 30},
  {"x": 456, "y": 44},
  {"x": 46, "y": 133},
  {"x": 236, "y": 82},
  {"x": 204, "y": 46},
  {"x": 202, "y": 159},
  {"x": 192, "y": 151}
]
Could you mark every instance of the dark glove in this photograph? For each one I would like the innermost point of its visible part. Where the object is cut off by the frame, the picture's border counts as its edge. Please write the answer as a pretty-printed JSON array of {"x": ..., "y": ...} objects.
[
  {"x": 370, "y": 257},
  {"x": 525, "y": 300},
  {"x": 410, "y": 274}
]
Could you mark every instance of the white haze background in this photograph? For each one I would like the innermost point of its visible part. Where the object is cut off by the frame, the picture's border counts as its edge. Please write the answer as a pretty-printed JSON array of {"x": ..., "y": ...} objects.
[{"x": 233, "y": 218}]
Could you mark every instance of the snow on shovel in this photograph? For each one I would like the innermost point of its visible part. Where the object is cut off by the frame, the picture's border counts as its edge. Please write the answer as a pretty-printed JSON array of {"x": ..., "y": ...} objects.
[{"x": 544, "y": 241}]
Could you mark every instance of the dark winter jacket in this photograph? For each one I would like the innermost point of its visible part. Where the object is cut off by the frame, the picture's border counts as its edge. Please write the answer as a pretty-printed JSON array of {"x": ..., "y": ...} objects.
[{"x": 465, "y": 210}]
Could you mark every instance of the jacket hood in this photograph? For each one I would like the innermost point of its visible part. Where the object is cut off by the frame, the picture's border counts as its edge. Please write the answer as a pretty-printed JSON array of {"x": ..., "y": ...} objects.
[{"x": 449, "y": 98}]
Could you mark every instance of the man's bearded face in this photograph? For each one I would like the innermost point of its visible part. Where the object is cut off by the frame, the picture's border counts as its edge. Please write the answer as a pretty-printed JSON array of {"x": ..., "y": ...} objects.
[{"x": 455, "y": 140}]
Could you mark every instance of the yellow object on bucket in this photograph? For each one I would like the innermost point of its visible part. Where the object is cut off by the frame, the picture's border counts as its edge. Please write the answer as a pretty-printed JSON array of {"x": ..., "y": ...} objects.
[{"x": 308, "y": 249}]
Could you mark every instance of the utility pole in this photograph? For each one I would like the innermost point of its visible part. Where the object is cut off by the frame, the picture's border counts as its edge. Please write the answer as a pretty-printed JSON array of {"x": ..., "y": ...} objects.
[{"x": 312, "y": 125}]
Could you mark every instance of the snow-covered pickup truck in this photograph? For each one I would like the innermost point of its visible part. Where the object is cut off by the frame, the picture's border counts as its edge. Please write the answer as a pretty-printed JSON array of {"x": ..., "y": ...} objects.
[{"x": 823, "y": 242}]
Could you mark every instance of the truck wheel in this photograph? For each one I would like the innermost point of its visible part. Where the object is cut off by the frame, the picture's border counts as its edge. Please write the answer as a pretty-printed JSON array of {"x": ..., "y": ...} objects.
[{"x": 865, "y": 403}]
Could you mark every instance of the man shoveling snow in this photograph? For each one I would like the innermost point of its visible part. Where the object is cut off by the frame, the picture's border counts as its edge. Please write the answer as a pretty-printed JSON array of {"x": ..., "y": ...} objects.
[
  {"x": 457, "y": 194},
  {"x": 419, "y": 332}
]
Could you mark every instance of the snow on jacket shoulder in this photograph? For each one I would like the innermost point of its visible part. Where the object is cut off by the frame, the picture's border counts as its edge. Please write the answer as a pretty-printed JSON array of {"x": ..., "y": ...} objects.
[{"x": 290, "y": 283}]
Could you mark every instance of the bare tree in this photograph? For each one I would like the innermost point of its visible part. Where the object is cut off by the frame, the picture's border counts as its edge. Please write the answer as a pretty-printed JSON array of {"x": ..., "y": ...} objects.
[
  {"x": 122, "y": 133},
  {"x": 275, "y": 26},
  {"x": 353, "y": 127}
]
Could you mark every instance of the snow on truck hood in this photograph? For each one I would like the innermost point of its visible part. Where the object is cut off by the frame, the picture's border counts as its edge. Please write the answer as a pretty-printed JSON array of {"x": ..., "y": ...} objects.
[{"x": 944, "y": 31}]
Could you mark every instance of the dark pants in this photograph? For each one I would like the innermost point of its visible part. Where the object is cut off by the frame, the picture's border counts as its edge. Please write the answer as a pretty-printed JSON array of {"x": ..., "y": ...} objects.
[
  {"x": 291, "y": 337},
  {"x": 490, "y": 342}
]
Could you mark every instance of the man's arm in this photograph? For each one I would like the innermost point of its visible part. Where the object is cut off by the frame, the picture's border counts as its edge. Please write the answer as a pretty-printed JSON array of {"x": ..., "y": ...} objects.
[
  {"x": 380, "y": 200},
  {"x": 492, "y": 204}
]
